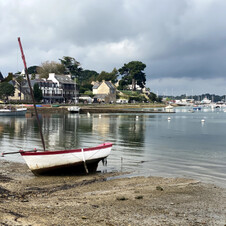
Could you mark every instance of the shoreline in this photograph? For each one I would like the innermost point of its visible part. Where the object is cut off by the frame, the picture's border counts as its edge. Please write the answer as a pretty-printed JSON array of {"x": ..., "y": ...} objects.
[
  {"x": 95, "y": 200},
  {"x": 103, "y": 108}
]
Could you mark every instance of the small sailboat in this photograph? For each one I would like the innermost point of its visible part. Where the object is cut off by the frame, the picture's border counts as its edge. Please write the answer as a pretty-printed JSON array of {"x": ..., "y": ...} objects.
[
  {"x": 66, "y": 161},
  {"x": 11, "y": 111},
  {"x": 169, "y": 108},
  {"x": 69, "y": 161},
  {"x": 197, "y": 108},
  {"x": 191, "y": 111},
  {"x": 74, "y": 109}
]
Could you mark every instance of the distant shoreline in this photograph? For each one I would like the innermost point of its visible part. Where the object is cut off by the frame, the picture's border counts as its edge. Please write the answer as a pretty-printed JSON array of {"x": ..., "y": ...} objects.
[{"x": 102, "y": 108}]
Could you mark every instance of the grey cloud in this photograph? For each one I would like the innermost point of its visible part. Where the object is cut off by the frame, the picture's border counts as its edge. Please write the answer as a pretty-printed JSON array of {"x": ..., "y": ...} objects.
[
  {"x": 175, "y": 39},
  {"x": 188, "y": 86}
]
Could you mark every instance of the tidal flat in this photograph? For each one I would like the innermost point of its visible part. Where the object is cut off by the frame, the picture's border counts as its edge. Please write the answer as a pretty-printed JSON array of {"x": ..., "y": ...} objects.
[{"x": 95, "y": 200}]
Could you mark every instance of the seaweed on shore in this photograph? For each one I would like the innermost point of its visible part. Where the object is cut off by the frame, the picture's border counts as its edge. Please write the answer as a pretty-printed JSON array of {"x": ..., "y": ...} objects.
[
  {"x": 4, "y": 178},
  {"x": 50, "y": 190},
  {"x": 3, "y": 191}
]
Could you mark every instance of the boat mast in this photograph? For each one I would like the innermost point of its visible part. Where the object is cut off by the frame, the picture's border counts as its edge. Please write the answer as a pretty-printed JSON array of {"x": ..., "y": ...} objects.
[{"x": 32, "y": 94}]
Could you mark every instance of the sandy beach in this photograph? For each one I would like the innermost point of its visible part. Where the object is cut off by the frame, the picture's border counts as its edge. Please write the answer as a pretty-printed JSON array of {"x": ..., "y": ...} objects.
[{"x": 96, "y": 200}]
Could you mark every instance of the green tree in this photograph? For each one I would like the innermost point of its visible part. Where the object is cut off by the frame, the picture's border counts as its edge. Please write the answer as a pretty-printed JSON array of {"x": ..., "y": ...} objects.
[
  {"x": 1, "y": 76},
  {"x": 33, "y": 70},
  {"x": 50, "y": 67},
  {"x": 87, "y": 76},
  {"x": 8, "y": 78},
  {"x": 37, "y": 93},
  {"x": 132, "y": 73},
  {"x": 72, "y": 66},
  {"x": 112, "y": 76},
  {"x": 85, "y": 87},
  {"x": 154, "y": 98},
  {"x": 6, "y": 90}
]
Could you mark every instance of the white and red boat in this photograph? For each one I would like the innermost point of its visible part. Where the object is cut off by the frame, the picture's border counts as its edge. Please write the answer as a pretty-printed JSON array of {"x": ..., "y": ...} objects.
[{"x": 69, "y": 161}]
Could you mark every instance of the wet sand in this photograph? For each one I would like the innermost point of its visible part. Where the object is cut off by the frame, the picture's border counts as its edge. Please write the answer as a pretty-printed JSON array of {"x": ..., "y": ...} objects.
[{"x": 95, "y": 200}]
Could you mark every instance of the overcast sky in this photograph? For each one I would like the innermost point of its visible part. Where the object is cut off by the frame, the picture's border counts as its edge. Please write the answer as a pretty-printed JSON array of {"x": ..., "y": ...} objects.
[{"x": 182, "y": 42}]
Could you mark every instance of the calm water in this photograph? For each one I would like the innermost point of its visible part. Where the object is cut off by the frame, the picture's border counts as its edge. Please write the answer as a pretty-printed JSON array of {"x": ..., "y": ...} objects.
[{"x": 148, "y": 145}]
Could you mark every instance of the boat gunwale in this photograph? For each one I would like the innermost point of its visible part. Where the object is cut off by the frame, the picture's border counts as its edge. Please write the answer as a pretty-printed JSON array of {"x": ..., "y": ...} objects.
[{"x": 35, "y": 152}]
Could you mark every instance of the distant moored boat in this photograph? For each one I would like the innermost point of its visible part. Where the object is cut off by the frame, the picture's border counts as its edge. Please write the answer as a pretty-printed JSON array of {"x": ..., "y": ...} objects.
[
  {"x": 13, "y": 111},
  {"x": 74, "y": 109},
  {"x": 169, "y": 108}
]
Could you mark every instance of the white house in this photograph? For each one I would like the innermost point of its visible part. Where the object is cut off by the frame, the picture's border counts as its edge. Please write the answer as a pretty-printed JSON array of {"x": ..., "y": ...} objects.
[{"x": 61, "y": 86}]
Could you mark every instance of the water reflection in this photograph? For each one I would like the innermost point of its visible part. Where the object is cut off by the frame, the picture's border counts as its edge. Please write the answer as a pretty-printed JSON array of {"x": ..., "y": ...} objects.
[
  {"x": 12, "y": 126},
  {"x": 63, "y": 131},
  {"x": 132, "y": 130},
  {"x": 148, "y": 143}
]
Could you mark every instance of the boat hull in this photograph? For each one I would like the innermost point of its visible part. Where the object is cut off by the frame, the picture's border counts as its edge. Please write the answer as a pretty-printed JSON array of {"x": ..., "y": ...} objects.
[
  {"x": 67, "y": 161},
  {"x": 17, "y": 112},
  {"x": 74, "y": 109}
]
